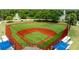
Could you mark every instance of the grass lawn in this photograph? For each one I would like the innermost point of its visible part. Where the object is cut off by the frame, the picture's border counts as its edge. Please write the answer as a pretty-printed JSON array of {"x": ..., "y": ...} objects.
[
  {"x": 74, "y": 34},
  {"x": 35, "y": 37},
  {"x": 2, "y": 29}
]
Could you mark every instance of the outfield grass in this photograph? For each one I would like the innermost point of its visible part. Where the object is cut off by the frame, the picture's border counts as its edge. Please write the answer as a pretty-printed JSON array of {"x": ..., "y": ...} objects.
[
  {"x": 35, "y": 37},
  {"x": 55, "y": 27},
  {"x": 18, "y": 27}
]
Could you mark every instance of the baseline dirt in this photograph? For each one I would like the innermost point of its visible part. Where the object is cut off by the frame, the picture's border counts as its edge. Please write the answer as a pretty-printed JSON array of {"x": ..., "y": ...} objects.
[
  {"x": 45, "y": 31},
  {"x": 16, "y": 45}
]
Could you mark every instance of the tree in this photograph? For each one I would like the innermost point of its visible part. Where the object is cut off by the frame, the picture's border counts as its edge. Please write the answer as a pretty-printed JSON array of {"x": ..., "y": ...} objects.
[
  {"x": 34, "y": 14},
  {"x": 55, "y": 14},
  {"x": 77, "y": 15},
  {"x": 72, "y": 18},
  {"x": 8, "y": 18}
]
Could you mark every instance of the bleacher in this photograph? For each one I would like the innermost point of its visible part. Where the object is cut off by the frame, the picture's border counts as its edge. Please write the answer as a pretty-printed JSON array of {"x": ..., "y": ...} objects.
[
  {"x": 5, "y": 44},
  {"x": 64, "y": 44}
]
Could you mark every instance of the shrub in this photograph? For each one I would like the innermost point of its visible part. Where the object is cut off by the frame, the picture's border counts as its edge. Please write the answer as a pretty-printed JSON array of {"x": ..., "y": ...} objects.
[{"x": 8, "y": 18}]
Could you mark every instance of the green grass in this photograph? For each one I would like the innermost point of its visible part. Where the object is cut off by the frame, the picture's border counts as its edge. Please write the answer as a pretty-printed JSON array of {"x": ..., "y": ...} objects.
[
  {"x": 74, "y": 34},
  {"x": 35, "y": 37},
  {"x": 18, "y": 39},
  {"x": 55, "y": 27},
  {"x": 19, "y": 27},
  {"x": 2, "y": 29},
  {"x": 45, "y": 44}
]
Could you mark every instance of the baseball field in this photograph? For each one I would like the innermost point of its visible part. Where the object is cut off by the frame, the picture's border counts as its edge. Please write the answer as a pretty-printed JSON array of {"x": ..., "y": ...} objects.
[{"x": 35, "y": 34}]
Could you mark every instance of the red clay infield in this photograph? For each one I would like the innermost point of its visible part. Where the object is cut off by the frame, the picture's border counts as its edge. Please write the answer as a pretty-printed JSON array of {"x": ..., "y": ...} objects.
[{"x": 45, "y": 31}]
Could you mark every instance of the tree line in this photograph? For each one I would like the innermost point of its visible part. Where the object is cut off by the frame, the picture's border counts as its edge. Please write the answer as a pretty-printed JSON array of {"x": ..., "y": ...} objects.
[
  {"x": 54, "y": 15},
  {"x": 72, "y": 16}
]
